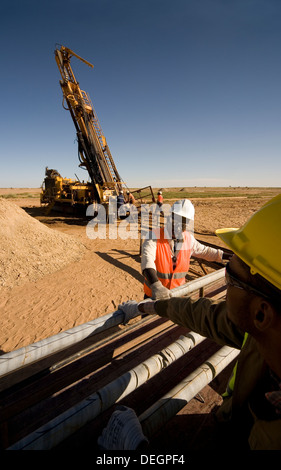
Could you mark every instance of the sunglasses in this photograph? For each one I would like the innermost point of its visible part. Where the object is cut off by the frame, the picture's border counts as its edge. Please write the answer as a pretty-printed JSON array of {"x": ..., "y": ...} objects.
[{"x": 232, "y": 280}]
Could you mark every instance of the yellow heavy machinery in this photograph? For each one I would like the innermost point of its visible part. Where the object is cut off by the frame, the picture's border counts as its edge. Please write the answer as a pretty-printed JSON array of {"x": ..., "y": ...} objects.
[{"x": 94, "y": 153}]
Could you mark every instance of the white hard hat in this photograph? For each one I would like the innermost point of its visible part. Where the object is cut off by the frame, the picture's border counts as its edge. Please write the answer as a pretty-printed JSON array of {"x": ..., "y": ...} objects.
[
  {"x": 159, "y": 192},
  {"x": 184, "y": 208}
]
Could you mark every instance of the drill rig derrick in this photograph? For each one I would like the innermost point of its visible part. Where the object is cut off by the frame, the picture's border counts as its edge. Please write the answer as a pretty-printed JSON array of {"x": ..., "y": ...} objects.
[
  {"x": 93, "y": 149},
  {"x": 94, "y": 153}
]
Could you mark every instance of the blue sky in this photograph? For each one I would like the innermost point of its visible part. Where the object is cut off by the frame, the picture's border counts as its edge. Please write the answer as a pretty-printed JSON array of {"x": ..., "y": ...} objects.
[{"x": 187, "y": 92}]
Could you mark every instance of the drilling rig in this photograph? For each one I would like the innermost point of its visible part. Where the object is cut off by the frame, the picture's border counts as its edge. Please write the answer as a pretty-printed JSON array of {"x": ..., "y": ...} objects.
[{"x": 93, "y": 151}]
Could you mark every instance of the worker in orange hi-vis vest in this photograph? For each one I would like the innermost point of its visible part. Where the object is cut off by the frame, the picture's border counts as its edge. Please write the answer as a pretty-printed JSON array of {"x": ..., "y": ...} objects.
[
  {"x": 166, "y": 253},
  {"x": 159, "y": 198},
  {"x": 130, "y": 198},
  {"x": 249, "y": 321}
]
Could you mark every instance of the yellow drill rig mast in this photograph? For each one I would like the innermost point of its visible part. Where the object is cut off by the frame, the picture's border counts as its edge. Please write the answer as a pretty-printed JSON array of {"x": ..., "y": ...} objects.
[{"x": 94, "y": 153}]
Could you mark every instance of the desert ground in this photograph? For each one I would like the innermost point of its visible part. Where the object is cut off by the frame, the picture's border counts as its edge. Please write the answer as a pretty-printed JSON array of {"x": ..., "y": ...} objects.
[{"x": 54, "y": 277}]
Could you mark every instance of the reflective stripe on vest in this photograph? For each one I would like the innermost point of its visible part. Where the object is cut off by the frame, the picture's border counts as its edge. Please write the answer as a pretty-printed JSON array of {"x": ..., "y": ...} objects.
[
  {"x": 231, "y": 381},
  {"x": 171, "y": 275},
  {"x": 166, "y": 274}
]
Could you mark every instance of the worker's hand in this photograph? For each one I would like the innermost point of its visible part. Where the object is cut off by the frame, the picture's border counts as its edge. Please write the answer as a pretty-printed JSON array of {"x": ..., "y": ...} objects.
[
  {"x": 159, "y": 291},
  {"x": 130, "y": 310},
  {"x": 123, "y": 431}
]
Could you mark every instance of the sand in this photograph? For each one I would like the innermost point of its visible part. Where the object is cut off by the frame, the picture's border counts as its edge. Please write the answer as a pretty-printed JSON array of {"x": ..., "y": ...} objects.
[{"x": 53, "y": 277}]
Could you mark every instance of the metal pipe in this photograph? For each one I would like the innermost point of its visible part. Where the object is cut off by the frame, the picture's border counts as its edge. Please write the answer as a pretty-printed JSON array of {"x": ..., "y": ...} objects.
[
  {"x": 28, "y": 354},
  {"x": 196, "y": 284},
  {"x": 62, "y": 426},
  {"x": 170, "y": 404}
]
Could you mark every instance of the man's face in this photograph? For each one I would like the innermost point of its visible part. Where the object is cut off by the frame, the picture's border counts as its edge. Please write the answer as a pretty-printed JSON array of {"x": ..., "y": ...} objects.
[
  {"x": 179, "y": 225},
  {"x": 239, "y": 300}
]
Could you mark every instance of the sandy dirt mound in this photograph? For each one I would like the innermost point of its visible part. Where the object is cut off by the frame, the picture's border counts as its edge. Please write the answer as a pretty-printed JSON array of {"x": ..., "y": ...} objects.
[{"x": 29, "y": 249}]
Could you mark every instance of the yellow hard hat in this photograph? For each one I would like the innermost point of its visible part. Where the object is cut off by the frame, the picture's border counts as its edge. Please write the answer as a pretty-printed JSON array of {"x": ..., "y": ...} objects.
[{"x": 257, "y": 242}]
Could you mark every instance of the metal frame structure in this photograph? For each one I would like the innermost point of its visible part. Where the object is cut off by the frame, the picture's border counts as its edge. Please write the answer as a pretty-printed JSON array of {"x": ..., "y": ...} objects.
[{"x": 116, "y": 368}]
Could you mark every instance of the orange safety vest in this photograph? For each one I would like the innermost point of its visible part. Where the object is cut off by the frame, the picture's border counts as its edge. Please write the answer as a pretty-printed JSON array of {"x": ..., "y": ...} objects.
[{"x": 169, "y": 276}]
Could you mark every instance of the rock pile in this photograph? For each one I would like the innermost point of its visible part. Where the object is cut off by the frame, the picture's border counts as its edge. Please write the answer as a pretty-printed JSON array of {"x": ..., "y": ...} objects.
[{"x": 29, "y": 249}]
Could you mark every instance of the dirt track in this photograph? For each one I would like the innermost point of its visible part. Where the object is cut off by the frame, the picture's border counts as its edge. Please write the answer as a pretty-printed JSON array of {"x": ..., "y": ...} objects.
[{"x": 106, "y": 274}]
